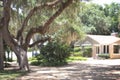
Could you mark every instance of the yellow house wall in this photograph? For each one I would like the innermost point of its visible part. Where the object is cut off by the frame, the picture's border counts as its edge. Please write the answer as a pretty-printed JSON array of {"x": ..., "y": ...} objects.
[{"x": 115, "y": 56}]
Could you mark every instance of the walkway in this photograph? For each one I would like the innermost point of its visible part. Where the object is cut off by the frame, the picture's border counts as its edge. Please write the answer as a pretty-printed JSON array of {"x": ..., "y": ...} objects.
[{"x": 81, "y": 70}]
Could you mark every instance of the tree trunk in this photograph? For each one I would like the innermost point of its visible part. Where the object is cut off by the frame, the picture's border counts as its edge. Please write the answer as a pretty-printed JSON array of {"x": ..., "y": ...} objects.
[
  {"x": 20, "y": 52},
  {"x": 22, "y": 58},
  {"x": 1, "y": 52}
]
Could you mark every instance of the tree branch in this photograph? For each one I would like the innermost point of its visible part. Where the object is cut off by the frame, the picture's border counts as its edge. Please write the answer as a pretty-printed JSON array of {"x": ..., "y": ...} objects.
[
  {"x": 5, "y": 23},
  {"x": 32, "y": 11},
  {"x": 45, "y": 27},
  {"x": 52, "y": 18},
  {"x": 1, "y": 22},
  {"x": 6, "y": 14},
  {"x": 39, "y": 41}
]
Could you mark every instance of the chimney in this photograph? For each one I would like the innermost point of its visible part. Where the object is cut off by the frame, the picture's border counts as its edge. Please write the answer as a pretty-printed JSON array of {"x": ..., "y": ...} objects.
[{"x": 115, "y": 34}]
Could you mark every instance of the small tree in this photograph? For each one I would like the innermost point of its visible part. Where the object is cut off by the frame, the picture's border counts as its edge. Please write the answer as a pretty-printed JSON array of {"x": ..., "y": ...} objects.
[{"x": 53, "y": 54}]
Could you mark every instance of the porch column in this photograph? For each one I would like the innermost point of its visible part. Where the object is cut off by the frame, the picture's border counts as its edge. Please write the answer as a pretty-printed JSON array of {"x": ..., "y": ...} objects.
[
  {"x": 97, "y": 49},
  {"x": 94, "y": 51},
  {"x": 111, "y": 50},
  {"x": 101, "y": 49}
]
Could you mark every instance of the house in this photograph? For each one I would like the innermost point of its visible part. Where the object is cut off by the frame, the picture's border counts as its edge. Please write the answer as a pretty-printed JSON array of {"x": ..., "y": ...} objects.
[{"x": 103, "y": 45}]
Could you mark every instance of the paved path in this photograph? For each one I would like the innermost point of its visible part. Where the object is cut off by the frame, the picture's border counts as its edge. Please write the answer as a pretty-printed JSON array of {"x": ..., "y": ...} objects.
[{"x": 81, "y": 70}]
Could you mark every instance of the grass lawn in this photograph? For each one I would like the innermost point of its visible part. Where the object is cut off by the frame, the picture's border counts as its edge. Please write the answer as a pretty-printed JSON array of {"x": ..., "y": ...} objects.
[
  {"x": 76, "y": 58},
  {"x": 10, "y": 74}
]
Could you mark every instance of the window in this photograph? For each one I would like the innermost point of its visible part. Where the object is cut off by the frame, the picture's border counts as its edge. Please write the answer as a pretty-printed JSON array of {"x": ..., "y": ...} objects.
[
  {"x": 116, "y": 49},
  {"x": 105, "y": 49}
]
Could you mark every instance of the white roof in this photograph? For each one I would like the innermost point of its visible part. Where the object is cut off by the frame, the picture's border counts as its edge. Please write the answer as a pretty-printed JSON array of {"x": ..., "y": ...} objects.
[{"x": 102, "y": 39}]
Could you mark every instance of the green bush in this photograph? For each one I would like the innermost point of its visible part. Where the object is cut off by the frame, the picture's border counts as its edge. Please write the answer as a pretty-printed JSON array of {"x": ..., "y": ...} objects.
[
  {"x": 77, "y": 52},
  {"x": 53, "y": 54},
  {"x": 76, "y": 49},
  {"x": 87, "y": 52},
  {"x": 104, "y": 56}
]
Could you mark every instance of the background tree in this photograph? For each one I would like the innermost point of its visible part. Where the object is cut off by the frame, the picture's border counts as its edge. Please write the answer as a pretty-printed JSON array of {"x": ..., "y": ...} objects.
[
  {"x": 97, "y": 19},
  {"x": 113, "y": 11},
  {"x": 94, "y": 20}
]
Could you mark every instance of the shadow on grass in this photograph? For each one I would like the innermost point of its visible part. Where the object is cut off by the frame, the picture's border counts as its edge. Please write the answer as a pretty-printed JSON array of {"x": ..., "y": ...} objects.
[
  {"x": 11, "y": 74},
  {"x": 72, "y": 71},
  {"x": 95, "y": 72}
]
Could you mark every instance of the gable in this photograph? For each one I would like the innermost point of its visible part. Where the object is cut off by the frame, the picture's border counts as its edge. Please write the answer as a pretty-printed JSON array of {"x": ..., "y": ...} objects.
[{"x": 88, "y": 41}]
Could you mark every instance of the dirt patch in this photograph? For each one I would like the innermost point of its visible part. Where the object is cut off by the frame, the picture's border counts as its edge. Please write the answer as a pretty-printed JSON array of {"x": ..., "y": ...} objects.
[{"x": 74, "y": 71}]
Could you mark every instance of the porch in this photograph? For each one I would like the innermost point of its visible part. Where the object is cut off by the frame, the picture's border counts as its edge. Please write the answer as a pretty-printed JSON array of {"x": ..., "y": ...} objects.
[{"x": 103, "y": 45}]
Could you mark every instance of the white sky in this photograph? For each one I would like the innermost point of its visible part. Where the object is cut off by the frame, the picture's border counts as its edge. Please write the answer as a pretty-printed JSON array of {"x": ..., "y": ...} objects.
[{"x": 102, "y": 2}]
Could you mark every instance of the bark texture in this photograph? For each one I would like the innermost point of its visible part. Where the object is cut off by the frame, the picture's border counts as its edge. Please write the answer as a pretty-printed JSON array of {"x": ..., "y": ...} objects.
[{"x": 1, "y": 52}]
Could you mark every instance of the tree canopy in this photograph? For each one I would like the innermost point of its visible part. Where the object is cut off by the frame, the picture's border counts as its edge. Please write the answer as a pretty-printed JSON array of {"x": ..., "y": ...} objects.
[
  {"x": 97, "y": 19},
  {"x": 22, "y": 19}
]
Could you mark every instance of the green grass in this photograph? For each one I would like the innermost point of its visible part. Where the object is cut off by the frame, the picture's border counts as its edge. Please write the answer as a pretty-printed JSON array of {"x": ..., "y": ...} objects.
[
  {"x": 76, "y": 58},
  {"x": 10, "y": 74}
]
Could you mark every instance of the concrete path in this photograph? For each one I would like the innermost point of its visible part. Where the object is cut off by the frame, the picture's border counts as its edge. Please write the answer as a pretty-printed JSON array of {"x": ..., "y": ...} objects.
[{"x": 80, "y": 70}]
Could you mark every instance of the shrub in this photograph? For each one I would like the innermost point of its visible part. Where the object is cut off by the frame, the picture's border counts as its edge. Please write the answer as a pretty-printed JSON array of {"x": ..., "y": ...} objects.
[
  {"x": 77, "y": 52},
  {"x": 76, "y": 49},
  {"x": 104, "y": 56},
  {"x": 87, "y": 52},
  {"x": 53, "y": 54}
]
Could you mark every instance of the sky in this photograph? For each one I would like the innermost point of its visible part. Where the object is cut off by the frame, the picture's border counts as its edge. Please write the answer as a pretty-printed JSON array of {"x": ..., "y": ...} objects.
[{"x": 102, "y": 2}]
